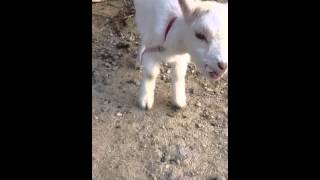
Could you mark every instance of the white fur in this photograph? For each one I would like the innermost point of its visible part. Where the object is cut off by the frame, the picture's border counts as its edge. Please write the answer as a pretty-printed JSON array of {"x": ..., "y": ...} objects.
[{"x": 152, "y": 18}]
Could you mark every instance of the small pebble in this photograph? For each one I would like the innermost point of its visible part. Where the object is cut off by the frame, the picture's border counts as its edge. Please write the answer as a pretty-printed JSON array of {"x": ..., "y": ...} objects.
[
  {"x": 197, "y": 125},
  {"x": 170, "y": 114},
  {"x": 115, "y": 57},
  {"x": 119, "y": 114},
  {"x": 107, "y": 65},
  {"x": 167, "y": 81},
  {"x": 216, "y": 178},
  {"x": 115, "y": 68},
  {"x": 198, "y": 104},
  {"x": 205, "y": 114},
  {"x": 134, "y": 81},
  {"x": 163, "y": 159},
  {"x": 137, "y": 82},
  {"x": 184, "y": 153},
  {"x": 209, "y": 89},
  {"x": 174, "y": 161},
  {"x": 131, "y": 38},
  {"x": 122, "y": 45}
]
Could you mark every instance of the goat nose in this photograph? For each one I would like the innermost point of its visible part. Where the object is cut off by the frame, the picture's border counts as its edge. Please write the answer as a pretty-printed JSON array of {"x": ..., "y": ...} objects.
[{"x": 222, "y": 65}]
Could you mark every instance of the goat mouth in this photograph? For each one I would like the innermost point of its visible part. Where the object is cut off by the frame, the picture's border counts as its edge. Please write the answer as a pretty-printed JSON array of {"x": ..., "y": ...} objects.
[{"x": 213, "y": 74}]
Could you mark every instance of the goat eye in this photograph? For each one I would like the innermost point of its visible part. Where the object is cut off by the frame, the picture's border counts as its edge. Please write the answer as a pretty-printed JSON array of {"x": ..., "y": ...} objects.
[{"x": 201, "y": 37}]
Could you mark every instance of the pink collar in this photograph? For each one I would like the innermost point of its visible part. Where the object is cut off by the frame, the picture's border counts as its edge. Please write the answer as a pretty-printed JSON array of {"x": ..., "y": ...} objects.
[
  {"x": 169, "y": 27},
  {"x": 160, "y": 48}
]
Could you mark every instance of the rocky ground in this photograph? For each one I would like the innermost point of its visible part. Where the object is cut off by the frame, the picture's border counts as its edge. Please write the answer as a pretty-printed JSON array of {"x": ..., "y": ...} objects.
[{"x": 163, "y": 143}]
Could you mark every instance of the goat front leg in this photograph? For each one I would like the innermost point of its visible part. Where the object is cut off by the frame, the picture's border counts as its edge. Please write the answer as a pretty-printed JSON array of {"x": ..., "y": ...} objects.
[
  {"x": 150, "y": 72},
  {"x": 179, "y": 73}
]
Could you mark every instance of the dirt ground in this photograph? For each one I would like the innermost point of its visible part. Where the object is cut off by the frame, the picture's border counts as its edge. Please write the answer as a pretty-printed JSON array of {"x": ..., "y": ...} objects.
[{"x": 163, "y": 143}]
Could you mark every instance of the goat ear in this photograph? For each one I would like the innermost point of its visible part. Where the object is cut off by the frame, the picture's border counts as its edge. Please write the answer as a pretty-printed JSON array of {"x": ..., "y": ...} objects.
[{"x": 186, "y": 7}]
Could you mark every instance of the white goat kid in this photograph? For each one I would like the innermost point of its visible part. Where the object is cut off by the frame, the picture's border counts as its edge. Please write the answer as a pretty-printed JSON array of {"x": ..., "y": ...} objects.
[{"x": 176, "y": 31}]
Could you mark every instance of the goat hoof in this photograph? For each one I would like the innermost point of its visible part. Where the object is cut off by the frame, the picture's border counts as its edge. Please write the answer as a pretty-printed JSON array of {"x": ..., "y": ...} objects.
[
  {"x": 146, "y": 102},
  {"x": 180, "y": 104}
]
